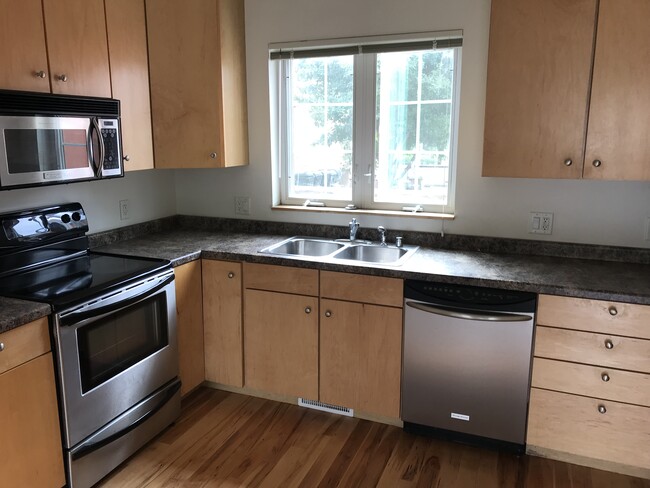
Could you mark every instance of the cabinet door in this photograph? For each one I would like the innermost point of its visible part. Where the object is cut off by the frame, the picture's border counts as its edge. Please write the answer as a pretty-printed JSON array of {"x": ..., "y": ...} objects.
[
  {"x": 281, "y": 343},
  {"x": 222, "y": 319},
  {"x": 617, "y": 141},
  {"x": 29, "y": 422},
  {"x": 77, "y": 47},
  {"x": 184, "y": 68},
  {"x": 539, "y": 66},
  {"x": 189, "y": 325},
  {"x": 127, "y": 42},
  {"x": 361, "y": 356},
  {"x": 22, "y": 37}
]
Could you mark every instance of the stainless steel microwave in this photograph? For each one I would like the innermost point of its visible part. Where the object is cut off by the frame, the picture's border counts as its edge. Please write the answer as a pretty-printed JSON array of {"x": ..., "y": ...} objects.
[{"x": 50, "y": 139}]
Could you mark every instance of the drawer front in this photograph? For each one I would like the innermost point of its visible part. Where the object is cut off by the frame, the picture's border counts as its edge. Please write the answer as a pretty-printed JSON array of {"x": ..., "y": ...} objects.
[
  {"x": 24, "y": 343},
  {"x": 283, "y": 279},
  {"x": 588, "y": 348},
  {"x": 593, "y": 381},
  {"x": 616, "y": 318},
  {"x": 573, "y": 424},
  {"x": 376, "y": 290}
]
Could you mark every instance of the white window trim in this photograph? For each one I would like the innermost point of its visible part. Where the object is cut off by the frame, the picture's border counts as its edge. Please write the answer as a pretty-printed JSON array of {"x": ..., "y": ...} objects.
[{"x": 363, "y": 127}]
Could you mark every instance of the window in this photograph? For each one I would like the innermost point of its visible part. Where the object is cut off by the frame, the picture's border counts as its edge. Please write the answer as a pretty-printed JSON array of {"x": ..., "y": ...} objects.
[{"x": 371, "y": 125}]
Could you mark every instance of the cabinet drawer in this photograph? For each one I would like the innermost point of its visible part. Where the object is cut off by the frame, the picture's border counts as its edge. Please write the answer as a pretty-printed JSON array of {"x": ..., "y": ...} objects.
[
  {"x": 376, "y": 290},
  {"x": 24, "y": 343},
  {"x": 284, "y": 279},
  {"x": 617, "y": 318},
  {"x": 588, "y": 348},
  {"x": 573, "y": 424},
  {"x": 598, "y": 382}
]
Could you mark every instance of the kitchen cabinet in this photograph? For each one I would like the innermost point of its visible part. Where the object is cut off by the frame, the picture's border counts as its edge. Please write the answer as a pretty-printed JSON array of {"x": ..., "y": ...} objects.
[
  {"x": 189, "y": 325},
  {"x": 129, "y": 66},
  {"x": 198, "y": 83},
  {"x": 281, "y": 330},
  {"x": 547, "y": 115},
  {"x": 69, "y": 36},
  {"x": 589, "y": 399},
  {"x": 361, "y": 343},
  {"x": 29, "y": 413},
  {"x": 222, "y": 322}
]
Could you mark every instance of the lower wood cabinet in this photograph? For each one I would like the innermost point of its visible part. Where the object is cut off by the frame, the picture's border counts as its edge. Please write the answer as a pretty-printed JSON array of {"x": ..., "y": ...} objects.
[
  {"x": 361, "y": 356},
  {"x": 281, "y": 343},
  {"x": 29, "y": 413},
  {"x": 222, "y": 322},
  {"x": 189, "y": 325}
]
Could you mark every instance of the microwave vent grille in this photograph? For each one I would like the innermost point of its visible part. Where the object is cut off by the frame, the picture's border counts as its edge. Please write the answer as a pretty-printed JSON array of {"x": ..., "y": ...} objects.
[{"x": 32, "y": 103}]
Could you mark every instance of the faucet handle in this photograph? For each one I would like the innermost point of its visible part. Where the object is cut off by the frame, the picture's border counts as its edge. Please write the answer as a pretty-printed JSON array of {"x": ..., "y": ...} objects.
[{"x": 398, "y": 241}]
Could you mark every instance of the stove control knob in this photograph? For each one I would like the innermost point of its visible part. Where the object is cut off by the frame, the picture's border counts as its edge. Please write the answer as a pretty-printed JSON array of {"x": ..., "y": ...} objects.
[
  {"x": 65, "y": 218},
  {"x": 76, "y": 216}
]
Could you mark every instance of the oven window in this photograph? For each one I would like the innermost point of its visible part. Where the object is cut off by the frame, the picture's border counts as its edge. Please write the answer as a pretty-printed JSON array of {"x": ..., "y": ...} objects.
[{"x": 114, "y": 343}]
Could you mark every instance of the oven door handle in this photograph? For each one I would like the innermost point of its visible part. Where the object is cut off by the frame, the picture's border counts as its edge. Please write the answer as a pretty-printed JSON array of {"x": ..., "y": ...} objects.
[
  {"x": 467, "y": 315},
  {"x": 75, "y": 317},
  {"x": 90, "y": 448}
]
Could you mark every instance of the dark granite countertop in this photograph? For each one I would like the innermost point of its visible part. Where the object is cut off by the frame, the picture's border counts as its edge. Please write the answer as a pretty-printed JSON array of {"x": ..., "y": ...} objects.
[
  {"x": 14, "y": 313},
  {"x": 568, "y": 276},
  {"x": 584, "y": 278}
]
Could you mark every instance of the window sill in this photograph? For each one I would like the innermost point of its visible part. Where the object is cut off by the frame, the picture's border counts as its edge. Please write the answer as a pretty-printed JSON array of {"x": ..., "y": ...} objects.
[{"x": 360, "y": 211}]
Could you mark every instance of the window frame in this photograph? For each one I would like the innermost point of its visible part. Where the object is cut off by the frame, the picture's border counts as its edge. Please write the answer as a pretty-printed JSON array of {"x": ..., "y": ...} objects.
[{"x": 363, "y": 142}]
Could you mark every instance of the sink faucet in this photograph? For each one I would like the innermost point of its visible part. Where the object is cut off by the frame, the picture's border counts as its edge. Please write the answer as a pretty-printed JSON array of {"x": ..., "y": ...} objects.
[
  {"x": 382, "y": 234},
  {"x": 354, "y": 227}
]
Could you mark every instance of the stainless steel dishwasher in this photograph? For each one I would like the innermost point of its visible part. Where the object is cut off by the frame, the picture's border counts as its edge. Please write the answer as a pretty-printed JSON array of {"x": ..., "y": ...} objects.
[{"x": 466, "y": 363}]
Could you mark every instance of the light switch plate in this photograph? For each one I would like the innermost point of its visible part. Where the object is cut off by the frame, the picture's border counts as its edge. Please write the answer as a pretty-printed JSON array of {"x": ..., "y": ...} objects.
[{"x": 540, "y": 223}]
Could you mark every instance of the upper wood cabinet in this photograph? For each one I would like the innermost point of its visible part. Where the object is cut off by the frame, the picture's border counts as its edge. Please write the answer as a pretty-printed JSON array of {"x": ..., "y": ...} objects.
[
  {"x": 23, "y": 57},
  {"x": 75, "y": 59},
  {"x": 539, "y": 66},
  {"x": 198, "y": 83},
  {"x": 77, "y": 47},
  {"x": 127, "y": 42},
  {"x": 544, "y": 107}
]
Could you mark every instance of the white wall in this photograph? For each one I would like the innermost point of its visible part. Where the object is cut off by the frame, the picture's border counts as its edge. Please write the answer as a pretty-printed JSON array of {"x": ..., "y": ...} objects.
[
  {"x": 151, "y": 195},
  {"x": 585, "y": 211}
]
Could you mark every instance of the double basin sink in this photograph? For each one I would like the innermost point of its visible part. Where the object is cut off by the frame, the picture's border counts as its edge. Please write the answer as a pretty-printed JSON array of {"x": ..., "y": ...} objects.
[{"x": 337, "y": 250}]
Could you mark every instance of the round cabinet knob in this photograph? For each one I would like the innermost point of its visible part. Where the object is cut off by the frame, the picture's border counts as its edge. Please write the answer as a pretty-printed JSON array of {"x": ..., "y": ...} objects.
[
  {"x": 126, "y": 157},
  {"x": 307, "y": 309},
  {"x": 231, "y": 275},
  {"x": 612, "y": 311},
  {"x": 328, "y": 314},
  {"x": 597, "y": 163},
  {"x": 62, "y": 78},
  {"x": 213, "y": 155},
  {"x": 602, "y": 409},
  {"x": 568, "y": 162},
  {"x": 605, "y": 377},
  {"x": 40, "y": 74},
  {"x": 609, "y": 344},
  {"x": 2, "y": 346}
]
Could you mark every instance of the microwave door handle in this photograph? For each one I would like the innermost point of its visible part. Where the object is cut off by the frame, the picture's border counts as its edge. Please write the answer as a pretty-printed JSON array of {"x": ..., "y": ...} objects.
[{"x": 99, "y": 168}]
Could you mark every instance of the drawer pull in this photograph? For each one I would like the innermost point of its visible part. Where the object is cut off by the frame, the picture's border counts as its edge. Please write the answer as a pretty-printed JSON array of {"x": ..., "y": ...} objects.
[
  {"x": 609, "y": 344},
  {"x": 602, "y": 409},
  {"x": 231, "y": 275},
  {"x": 328, "y": 314},
  {"x": 612, "y": 311},
  {"x": 307, "y": 309},
  {"x": 605, "y": 377},
  {"x": 2, "y": 346}
]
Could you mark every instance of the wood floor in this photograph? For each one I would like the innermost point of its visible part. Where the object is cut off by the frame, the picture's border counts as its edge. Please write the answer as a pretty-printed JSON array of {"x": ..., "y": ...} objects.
[{"x": 228, "y": 440}]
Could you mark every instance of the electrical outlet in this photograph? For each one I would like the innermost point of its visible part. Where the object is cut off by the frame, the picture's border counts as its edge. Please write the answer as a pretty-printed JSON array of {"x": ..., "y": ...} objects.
[
  {"x": 540, "y": 223},
  {"x": 243, "y": 205},
  {"x": 125, "y": 210}
]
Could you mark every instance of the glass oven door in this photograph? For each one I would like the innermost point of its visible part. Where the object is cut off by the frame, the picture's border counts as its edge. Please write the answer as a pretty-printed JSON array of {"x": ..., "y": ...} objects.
[
  {"x": 114, "y": 352},
  {"x": 45, "y": 149}
]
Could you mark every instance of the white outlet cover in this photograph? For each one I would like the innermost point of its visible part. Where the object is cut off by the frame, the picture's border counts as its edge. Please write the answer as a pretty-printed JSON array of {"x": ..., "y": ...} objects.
[
  {"x": 125, "y": 210},
  {"x": 540, "y": 223},
  {"x": 243, "y": 205}
]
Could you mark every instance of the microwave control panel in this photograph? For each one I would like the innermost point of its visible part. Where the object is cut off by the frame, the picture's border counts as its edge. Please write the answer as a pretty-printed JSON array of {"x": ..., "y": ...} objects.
[{"x": 111, "y": 136}]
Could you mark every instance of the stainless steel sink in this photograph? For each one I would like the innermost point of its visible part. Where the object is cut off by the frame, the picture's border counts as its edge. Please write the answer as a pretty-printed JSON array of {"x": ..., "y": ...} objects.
[
  {"x": 304, "y": 246},
  {"x": 372, "y": 253},
  {"x": 330, "y": 250}
]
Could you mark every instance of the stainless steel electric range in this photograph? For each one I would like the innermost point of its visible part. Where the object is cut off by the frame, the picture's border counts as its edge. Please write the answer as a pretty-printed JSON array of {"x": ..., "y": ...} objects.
[{"x": 113, "y": 327}]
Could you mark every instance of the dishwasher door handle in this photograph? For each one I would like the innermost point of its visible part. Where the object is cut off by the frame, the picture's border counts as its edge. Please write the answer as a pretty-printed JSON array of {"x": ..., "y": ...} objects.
[{"x": 466, "y": 315}]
